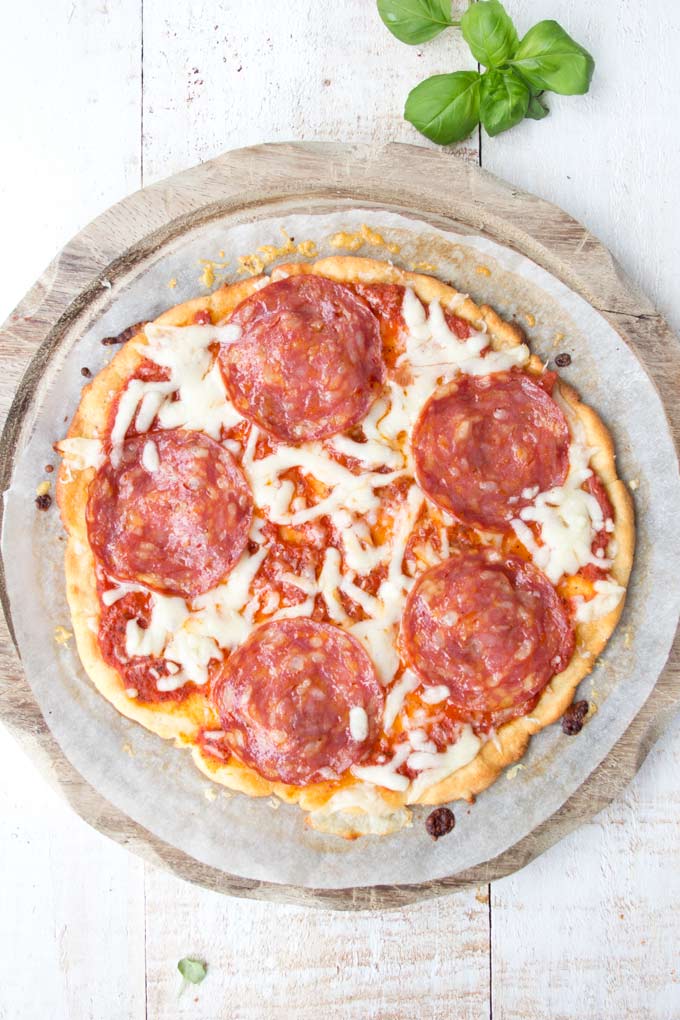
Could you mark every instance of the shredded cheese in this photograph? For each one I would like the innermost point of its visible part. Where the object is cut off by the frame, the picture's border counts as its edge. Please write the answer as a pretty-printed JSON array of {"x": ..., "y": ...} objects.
[{"x": 358, "y": 723}]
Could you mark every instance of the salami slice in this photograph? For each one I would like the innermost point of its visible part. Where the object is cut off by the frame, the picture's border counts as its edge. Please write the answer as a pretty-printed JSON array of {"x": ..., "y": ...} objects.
[
  {"x": 285, "y": 698},
  {"x": 484, "y": 442},
  {"x": 308, "y": 363},
  {"x": 491, "y": 628},
  {"x": 174, "y": 514}
]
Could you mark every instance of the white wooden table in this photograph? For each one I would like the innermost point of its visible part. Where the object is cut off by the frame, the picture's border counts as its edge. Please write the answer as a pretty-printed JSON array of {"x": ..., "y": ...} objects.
[{"x": 102, "y": 96}]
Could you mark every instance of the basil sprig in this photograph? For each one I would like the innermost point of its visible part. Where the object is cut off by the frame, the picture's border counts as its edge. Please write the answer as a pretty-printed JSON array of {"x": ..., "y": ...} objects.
[
  {"x": 448, "y": 107},
  {"x": 192, "y": 970},
  {"x": 416, "y": 21},
  {"x": 445, "y": 108}
]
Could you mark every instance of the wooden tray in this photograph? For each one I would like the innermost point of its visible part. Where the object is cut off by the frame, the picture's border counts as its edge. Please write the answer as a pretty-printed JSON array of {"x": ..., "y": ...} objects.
[{"x": 426, "y": 182}]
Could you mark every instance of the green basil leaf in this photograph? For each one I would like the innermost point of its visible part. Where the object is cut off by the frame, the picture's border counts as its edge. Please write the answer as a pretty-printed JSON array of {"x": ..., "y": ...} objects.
[
  {"x": 416, "y": 21},
  {"x": 489, "y": 32},
  {"x": 445, "y": 108},
  {"x": 504, "y": 101},
  {"x": 550, "y": 59},
  {"x": 536, "y": 110},
  {"x": 192, "y": 970}
]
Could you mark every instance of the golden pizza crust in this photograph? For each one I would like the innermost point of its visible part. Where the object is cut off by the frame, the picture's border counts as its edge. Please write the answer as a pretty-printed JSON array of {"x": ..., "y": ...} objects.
[{"x": 181, "y": 721}]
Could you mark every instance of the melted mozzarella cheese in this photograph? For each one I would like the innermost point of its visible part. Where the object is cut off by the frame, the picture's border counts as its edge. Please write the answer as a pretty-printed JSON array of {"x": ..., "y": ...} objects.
[
  {"x": 607, "y": 596},
  {"x": 395, "y": 699},
  {"x": 358, "y": 723},
  {"x": 386, "y": 775},
  {"x": 568, "y": 516},
  {"x": 435, "y": 695},
  {"x": 168, "y": 613},
  {"x": 199, "y": 399},
  {"x": 359, "y": 808},
  {"x": 150, "y": 459},
  {"x": 189, "y": 638},
  {"x": 81, "y": 453},
  {"x": 434, "y": 767}
]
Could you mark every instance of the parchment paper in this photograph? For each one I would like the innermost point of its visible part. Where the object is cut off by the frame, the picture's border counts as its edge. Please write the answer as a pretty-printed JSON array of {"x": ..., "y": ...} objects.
[{"x": 155, "y": 783}]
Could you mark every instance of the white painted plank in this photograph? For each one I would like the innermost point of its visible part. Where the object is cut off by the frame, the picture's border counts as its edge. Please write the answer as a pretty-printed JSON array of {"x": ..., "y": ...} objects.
[
  {"x": 71, "y": 902},
  {"x": 220, "y": 75},
  {"x": 590, "y": 929},
  {"x": 611, "y": 158},
  {"x": 272, "y": 962},
  {"x": 70, "y": 126},
  {"x": 71, "y": 908}
]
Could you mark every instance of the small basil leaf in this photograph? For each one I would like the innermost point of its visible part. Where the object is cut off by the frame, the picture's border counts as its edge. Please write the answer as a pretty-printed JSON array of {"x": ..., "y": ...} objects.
[
  {"x": 550, "y": 59},
  {"x": 415, "y": 21},
  {"x": 504, "y": 100},
  {"x": 536, "y": 110},
  {"x": 192, "y": 970},
  {"x": 489, "y": 32},
  {"x": 445, "y": 108}
]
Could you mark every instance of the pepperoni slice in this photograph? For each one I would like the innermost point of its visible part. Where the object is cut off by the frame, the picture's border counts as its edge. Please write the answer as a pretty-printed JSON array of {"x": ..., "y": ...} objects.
[
  {"x": 595, "y": 487},
  {"x": 484, "y": 441},
  {"x": 285, "y": 695},
  {"x": 491, "y": 628},
  {"x": 174, "y": 514},
  {"x": 308, "y": 363}
]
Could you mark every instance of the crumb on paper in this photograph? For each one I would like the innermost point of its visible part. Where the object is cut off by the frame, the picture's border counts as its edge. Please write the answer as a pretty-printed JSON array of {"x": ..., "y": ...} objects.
[
  {"x": 127, "y": 749},
  {"x": 106, "y": 284},
  {"x": 559, "y": 337},
  {"x": 208, "y": 274},
  {"x": 307, "y": 249},
  {"x": 43, "y": 488},
  {"x": 274, "y": 803},
  {"x": 530, "y": 319},
  {"x": 210, "y": 793},
  {"x": 256, "y": 262},
  {"x": 212, "y": 272},
  {"x": 423, "y": 267},
  {"x": 172, "y": 283},
  {"x": 366, "y": 235},
  {"x": 627, "y": 638},
  {"x": 482, "y": 895},
  {"x": 482, "y": 270},
  {"x": 512, "y": 773},
  {"x": 61, "y": 635},
  {"x": 634, "y": 484}
]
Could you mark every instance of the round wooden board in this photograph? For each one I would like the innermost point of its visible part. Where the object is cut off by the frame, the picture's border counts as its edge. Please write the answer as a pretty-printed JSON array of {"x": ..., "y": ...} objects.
[{"x": 427, "y": 183}]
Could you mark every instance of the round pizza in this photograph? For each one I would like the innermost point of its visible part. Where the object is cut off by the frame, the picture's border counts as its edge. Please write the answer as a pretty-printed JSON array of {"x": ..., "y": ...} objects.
[{"x": 339, "y": 533}]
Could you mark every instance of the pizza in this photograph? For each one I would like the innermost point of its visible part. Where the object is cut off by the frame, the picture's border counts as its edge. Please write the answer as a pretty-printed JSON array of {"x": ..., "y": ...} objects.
[{"x": 338, "y": 533}]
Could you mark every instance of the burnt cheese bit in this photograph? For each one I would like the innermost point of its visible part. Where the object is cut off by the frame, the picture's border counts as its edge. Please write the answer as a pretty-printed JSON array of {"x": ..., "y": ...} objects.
[
  {"x": 440, "y": 822},
  {"x": 44, "y": 501},
  {"x": 123, "y": 337},
  {"x": 563, "y": 360},
  {"x": 574, "y": 717}
]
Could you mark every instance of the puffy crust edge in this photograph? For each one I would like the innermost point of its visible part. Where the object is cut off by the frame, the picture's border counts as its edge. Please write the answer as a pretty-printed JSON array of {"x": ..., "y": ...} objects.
[{"x": 181, "y": 721}]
